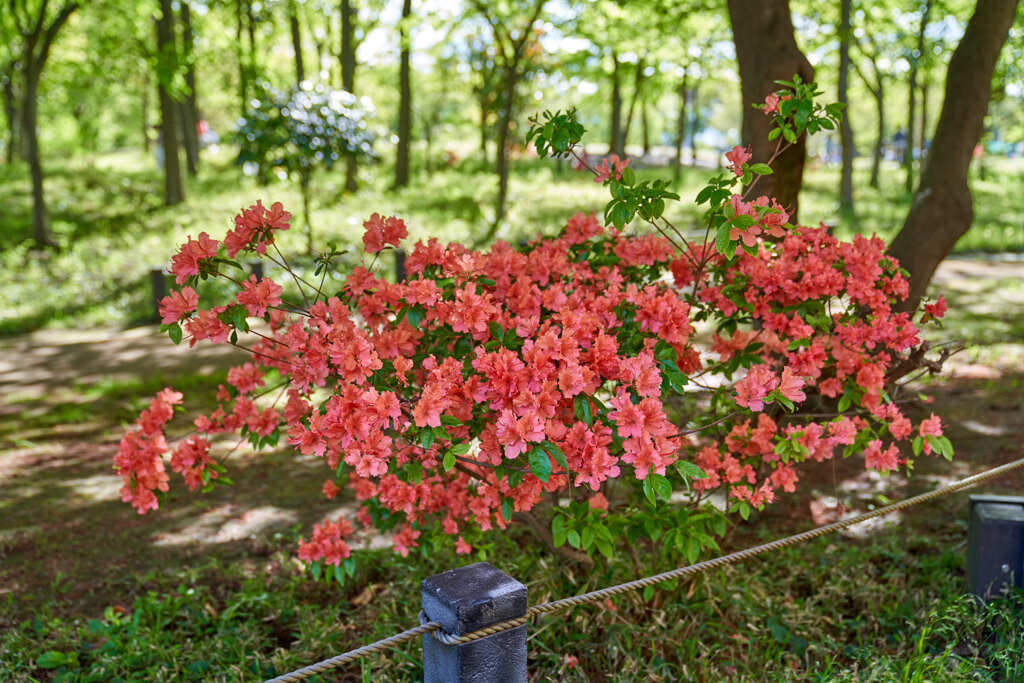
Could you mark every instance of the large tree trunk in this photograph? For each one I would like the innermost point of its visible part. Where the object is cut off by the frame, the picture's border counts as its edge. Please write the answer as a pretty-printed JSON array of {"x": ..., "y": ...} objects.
[
  {"x": 296, "y": 31},
  {"x": 615, "y": 141},
  {"x": 845, "y": 130},
  {"x": 942, "y": 210},
  {"x": 29, "y": 121},
  {"x": 908, "y": 150},
  {"x": 677, "y": 162},
  {"x": 189, "y": 107},
  {"x": 405, "y": 104},
  {"x": 174, "y": 190},
  {"x": 348, "y": 79},
  {"x": 766, "y": 50}
]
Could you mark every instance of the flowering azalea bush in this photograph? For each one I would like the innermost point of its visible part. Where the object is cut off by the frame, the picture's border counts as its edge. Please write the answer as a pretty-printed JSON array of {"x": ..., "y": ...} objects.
[{"x": 600, "y": 385}]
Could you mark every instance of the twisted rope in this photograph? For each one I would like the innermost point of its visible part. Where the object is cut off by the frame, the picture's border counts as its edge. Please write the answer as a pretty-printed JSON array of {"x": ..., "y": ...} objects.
[{"x": 434, "y": 628}]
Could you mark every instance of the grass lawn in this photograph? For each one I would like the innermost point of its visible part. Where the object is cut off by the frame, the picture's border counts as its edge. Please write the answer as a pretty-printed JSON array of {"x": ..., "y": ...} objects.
[{"x": 107, "y": 215}]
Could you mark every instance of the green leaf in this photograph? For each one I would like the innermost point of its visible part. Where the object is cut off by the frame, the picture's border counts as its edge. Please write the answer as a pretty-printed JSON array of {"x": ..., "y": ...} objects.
[
  {"x": 692, "y": 550},
  {"x": 460, "y": 448},
  {"x": 556, "y": 452},
  {"x": 450, "y": 421},
  {"x": 661, "y": 485},
  {"x": 448, "y": 461},
  {"x": 722, "y": 238},
  {"x": 628, "y": 176},
  {"x": 690, "y": 471},
  {"x": 497, "y": 331},
  {"x": 51, "y": 660},
  {"x": 917, "y": 445},
  {"x": 844, "y": 402},
  {"x": 581, "y": 406},
  {"x": 761, "y": 169},
  {"x": 648, "y": 593},
  {"x": 587, "y": 538},
  {"x": 174, "y": 332},
  {"x": 540, "y": 464},
  {"x": 316, "y": 570},
  {"x": 506, "y": 509},
  {"x": 604, "y": 547},
  {"x": 573, "y": 537},
  {"x": 558, "y": 530},
  {"x": 648, "y": 489},
  {"x": 339, "y": 574}
]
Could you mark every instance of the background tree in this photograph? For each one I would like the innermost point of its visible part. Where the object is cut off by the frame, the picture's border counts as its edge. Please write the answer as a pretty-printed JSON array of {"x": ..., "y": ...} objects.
[
  {"x": 845, "y": 129},
  {"x": 167, "y": 71},
  {"x": 34, "y": 27},
  {"x": 511, "y": 24},
  {"x": 301, "y": 130},
  {"x": 943, "y": 209},
  {"x": 405, "y": 97},
  {"x": 766, "y": 51}
]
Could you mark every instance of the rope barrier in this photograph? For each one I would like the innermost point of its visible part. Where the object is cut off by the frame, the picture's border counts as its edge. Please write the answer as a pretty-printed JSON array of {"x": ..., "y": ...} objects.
[{"x": 434, "y": 628}]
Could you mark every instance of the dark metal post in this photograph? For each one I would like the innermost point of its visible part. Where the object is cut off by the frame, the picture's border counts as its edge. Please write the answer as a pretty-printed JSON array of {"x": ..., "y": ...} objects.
[
  {"x": 464, "y": 600},
  {"x": 158, "y": 281},
  {"x": 399, "y": 265},
  {"x": 995, "y": 545}
]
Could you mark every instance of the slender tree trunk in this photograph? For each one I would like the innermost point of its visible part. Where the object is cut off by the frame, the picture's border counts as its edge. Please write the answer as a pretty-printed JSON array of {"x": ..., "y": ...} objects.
[
  {"x": 504, "y": 124},
  {"x": 243, "y": 70},
  {"x": 694, "y": 124},
  {"x": 645, "y": 126},
  {"x": 922, "y": 144},
  {"x": 296, "y": 31},
  {"x": 30, "y": 131},
  {"x": 845, "y": 130},
  {"x": 638, "y": 83},
  {"x": 908, "y": 150},
  {"x": 677, "y": 162},
  {"x": 405, "y": 104},
  {"x": 942, "y": 210},
  {"x": 483, "y": 128},
  {"x": 15, "y": 145},
  {"x": 348, "y": 79},
  {"x": 174, "y": 191},
  {"x": 616, "y": 142},
  {"x": 766, "y": 50},
  {"x": 304, "y": 187},
  {"x": 189, "y": 107},
  {"x": 876, "y": 161},
  {"x": 146, "y": 141}
]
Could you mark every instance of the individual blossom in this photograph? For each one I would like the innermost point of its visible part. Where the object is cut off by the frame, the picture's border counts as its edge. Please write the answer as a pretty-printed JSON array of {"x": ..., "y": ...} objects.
[
  {"x": 177, "y": 305},
  {"x": 738, "y": 156},
  {"x": 791, "y": 386},
  {"x": 936, "y": 309},
  {"x": 931, "y": 426},
  {"x": 883, "y": 461},
  {"x": 771, "y": 104},
  {"x": 404, "y": 540},
  {"x": 373, "y": 235},
  {"x": 609, "y": 166},
  {"x": 462, "y": 548},
  {"x": 191, "y": 256},
  {"x": 755, "y": 387},
  {"x": 258, "y": 295}
]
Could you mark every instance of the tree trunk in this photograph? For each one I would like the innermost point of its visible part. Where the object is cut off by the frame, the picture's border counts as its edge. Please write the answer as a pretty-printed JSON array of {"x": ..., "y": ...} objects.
[
  {"x": 645, "y": 126},
  {"x": 942, "y": 210},
  {"x": 766, "y": 50},
  {"x": 189, "y": 107},
  {"x": 638, "y": 82},
  {"x": 15, "y": 144},
  {"x": 405, "y": 104},
  {"x": 876, "y": 161},
  {"x": 504, "y": 124},
  {"x": 677, "y": 162},
  {"x": 483, "y": 128},
  {"x": 30, "y": 122},
  {"x": 908, "y": 150},
  {"x": 845, "y": 130},
  {"x": 174, "y": 191},
  {"x": 243, "y": 70},
  {"x": 922, "y": 144},
  {"x": 146, "y": 141},
  {"x": 304, "y": 182},
  {"x": 348, "y": 80},
  {"x": 694, "y": 124},
  {"x": 296, "y": 31},
  {"x": 615, "y": 142}
]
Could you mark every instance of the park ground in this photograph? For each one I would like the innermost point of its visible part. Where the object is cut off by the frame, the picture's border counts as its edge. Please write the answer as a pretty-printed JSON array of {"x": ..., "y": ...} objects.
[{"x": 207, "y": 588}]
